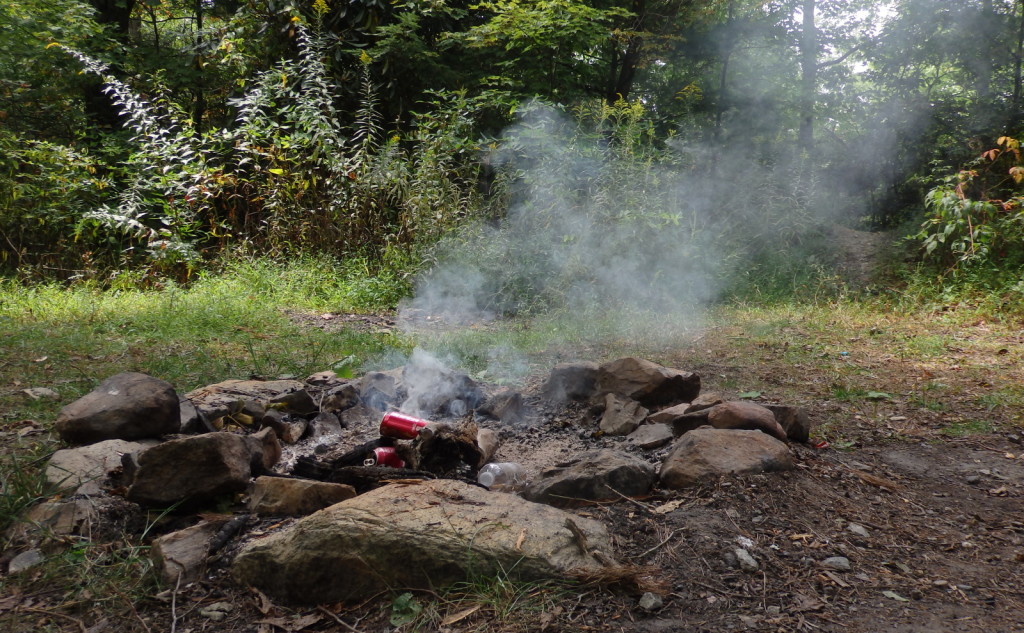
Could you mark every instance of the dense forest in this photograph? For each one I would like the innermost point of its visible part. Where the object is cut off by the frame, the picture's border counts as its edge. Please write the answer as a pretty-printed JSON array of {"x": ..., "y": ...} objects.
[{"x": 156, "y": 136}]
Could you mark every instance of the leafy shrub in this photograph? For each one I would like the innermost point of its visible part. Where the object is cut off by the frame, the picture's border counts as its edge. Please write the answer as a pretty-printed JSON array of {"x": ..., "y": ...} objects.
[
  {"x": 976, "y": 217},
  {"x": 45, "y": 188},
  {"x": 288, "y": 176}
]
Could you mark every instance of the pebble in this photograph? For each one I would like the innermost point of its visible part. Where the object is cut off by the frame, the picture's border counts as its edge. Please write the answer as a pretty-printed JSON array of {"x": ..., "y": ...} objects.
[
  {"x": 746, "y": 562},
  {"x": 840, "y": 563},
  {"x": 940, "y": 583},
  {"x": 651, "y": 602},
  {"x": 41, "y": 393},
  {"x": 25, "y": 560},
  {"x": 858, "y": 529},
  {"x": 972, "y": 479},
  {"x": 217, "y": 611}
]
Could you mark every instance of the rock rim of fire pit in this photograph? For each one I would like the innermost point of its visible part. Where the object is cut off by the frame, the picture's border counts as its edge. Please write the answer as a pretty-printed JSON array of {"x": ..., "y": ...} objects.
[
  {"x": 125, "y": 406},
  {"x": 707, "y": 453},
  {"x": 427, "y": 534}
]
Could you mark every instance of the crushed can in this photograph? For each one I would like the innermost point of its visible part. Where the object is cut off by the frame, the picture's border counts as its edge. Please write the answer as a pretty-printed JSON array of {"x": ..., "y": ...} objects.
[
  {"x": 402, "y": 426},
  {"x": 384, "y": 456}
]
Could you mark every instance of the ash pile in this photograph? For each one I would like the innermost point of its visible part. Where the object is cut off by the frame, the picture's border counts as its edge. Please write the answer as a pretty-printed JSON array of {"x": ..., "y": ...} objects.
[{"x": 330, "y": 489}]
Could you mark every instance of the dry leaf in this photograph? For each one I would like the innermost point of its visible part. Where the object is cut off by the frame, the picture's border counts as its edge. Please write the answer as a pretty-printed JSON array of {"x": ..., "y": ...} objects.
[
  {"x": 806, "y": 603},
  {"x": 519, "y": 541},
  {"x": 263, "y": 603},
  {"x": 894, "y": 596},
  {"x": 461, "y": 615},
  {"x": 297, "y": 623},
  {"x": 668, "y": 507}
]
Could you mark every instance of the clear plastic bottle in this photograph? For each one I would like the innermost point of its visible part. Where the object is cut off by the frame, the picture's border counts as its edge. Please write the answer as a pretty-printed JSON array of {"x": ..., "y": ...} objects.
[{"x": 502, "y": 476}]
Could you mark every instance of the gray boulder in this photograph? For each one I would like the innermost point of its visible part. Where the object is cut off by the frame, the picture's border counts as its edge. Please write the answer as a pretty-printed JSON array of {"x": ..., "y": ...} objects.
[
  {"x": 621, "y": 415},
  {"x": 181, "y": 556},
  {"x": 200, "y": 468},
  {"x": 280, "y": 496},
  {"x": 72, "y": 467},
  {"x": 126, "y": 406},
  {"x": 651, "y": 436},
  {"x": 594, "y": 476},
  {"x": 428, "y": 534},
  {"x": 648, "y": 383},
  {"x": 571, "y": 381},
  {"x": 794, "y": 420},
  {"x": 244, "y": 401},
  {"x": 706, "y": 453},
  {"x": 737, "y": 414}
]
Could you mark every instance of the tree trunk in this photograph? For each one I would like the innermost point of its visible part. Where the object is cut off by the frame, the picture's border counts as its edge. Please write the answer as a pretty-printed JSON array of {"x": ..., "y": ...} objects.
[
  {"x": 1018, "y": 70},
  {"x": 808, "y": 76},
  {"x": 199, "y": 111},
  {"x": 115, "y": 14},
  {"x": 630, "y": 59},
  {"x": 723, "y": 77}
]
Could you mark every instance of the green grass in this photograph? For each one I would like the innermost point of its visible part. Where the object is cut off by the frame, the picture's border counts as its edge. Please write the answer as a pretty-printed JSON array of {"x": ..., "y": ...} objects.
[
  {"x": 969, "y": 427},
  {"x": 483, "y": 603},
  {"x": 229, "y": 326}
]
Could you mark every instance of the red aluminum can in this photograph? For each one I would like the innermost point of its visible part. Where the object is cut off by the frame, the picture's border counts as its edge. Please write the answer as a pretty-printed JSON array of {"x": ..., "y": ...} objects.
[
  {"x": 385, "y": 456},
  {"x": 401, "y": 426}
]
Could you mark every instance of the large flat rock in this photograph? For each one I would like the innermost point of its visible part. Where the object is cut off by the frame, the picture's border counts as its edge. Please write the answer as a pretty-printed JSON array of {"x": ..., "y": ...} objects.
[{"x": 426, "y": 534}]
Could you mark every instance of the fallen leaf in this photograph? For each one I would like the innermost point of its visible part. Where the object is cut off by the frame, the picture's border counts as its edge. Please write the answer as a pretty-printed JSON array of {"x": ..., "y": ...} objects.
[
  {"x": 519, "y": 541},
  {"x": 297, "y": 623},
  {"x": 750, "y": 395},
  {"x": 1010, "y": 456},
  {"x": 263, "y": 603},
  {"x": 894, "y": 596},
  {"x": 836, "y": 579},
  {"x": 668, "y": 507},
  {"x": 41, "y": 359},
  {"x": 806, "y": 603},
  {"x": 461, "y": 615}
]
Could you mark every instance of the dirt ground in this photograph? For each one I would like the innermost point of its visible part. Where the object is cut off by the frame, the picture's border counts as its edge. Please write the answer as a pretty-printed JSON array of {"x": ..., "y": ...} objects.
[
  {"x": 939, "y": 547},
  {"x": 914, "y": 476}
]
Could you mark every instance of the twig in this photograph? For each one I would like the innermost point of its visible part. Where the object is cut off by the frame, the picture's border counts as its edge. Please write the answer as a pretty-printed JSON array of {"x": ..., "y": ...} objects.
[
  {"x": 339, "y": 620},
  {"x": 578, "y": 536},
  {"x": 667, "y": 539},
  {"x": 632, "y": 500},
  {"x": 174, "y": 603},
  {"x": 81, "y": 625},
  {"x": 724, "y": 592}
]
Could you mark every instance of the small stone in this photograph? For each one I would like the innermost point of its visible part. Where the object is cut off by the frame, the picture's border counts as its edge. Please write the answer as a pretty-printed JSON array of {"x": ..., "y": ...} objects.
[
  {"x": 916, "y": 594},
  {"x": 840, "y": 563},
  {"x": 651, "y": 602},
  {"x": 774, "y": 610},
  {"x": 41, "y": 393},
  {"x": 940, "y": 583},
  {"x": 25, "y": 560},
  {"x": 972, "y": 479},
  {"x": 746, "y": 562},
  {"x": 859, "y": 530},
  {"x": 217, "y": 611}
]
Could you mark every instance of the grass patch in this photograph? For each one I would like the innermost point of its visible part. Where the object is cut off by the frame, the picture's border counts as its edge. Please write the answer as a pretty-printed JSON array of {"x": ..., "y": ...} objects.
[
  {"x": 969, "y": 427},
  {"x": 483, "y": 604}
]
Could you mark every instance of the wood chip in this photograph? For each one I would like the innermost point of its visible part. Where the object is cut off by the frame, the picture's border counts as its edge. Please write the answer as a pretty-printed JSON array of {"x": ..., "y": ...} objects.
[{"x": 461, "y": 615}]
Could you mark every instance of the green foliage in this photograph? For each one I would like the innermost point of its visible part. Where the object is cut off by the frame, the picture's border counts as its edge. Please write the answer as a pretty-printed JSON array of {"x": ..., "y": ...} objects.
[
  {"x": 45, "y": 188},
  {"x": 976, "y": 216},
  {"x": 288, "y": 177},
  {"x": 22, "y": 484}
]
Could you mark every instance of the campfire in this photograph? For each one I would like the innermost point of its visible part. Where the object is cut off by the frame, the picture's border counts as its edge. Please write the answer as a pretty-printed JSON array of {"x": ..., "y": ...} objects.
[{"x": 416, "y": 476}]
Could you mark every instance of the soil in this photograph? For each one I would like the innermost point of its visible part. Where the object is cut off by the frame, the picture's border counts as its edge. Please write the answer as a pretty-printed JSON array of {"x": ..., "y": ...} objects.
[{"x": 930, "y": 521}]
